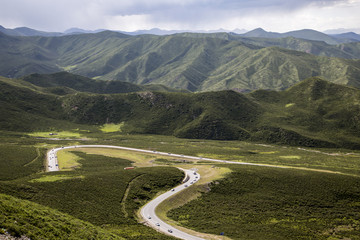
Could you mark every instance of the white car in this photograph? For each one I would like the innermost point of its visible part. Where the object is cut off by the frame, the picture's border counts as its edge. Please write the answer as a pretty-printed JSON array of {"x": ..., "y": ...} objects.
[{"x": 157, "y": 224}]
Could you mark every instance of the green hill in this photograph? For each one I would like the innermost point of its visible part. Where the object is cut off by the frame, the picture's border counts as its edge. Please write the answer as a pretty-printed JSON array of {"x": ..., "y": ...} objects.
[
  {"x": 318, "y": 48},
  {"x": 314, "y": 112},
  {"x": 314, "y": 108},
  {"x": 25, "y": 107},
  {"x": 25, "y": 218},
  {"x": 197, "y": 62},
  {"x": 63, "y": 83}
]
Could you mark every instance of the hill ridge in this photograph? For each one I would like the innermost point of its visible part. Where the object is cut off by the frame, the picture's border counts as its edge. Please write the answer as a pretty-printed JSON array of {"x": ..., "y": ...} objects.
[
  {"x": 193, "y": 62},
  {"x": 314, "y": 113}
]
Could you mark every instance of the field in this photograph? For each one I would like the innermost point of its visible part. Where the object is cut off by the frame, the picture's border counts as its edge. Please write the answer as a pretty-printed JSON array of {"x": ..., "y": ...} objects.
[
  {"x": 39, "y": 222},
  {"x": 315, "y": 197},
  {"x": 111, "y": 127},
  {"x": 268, "y": 203}
]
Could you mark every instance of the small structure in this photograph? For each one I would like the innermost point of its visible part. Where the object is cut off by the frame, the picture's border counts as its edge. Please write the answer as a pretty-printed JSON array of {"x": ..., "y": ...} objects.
[{"x": 128, "y": 168}]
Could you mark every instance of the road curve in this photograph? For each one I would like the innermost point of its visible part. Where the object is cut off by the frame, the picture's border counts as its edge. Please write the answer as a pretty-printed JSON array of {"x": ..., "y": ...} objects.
[
  {"x": 148, "y": 211},
  {"x": 53, "y": 163}
]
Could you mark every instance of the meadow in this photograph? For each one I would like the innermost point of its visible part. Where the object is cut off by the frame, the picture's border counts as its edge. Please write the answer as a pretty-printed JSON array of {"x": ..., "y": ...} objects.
[
  {"x": 316, "y": 197},
  {"x": 269, "y": 203}
]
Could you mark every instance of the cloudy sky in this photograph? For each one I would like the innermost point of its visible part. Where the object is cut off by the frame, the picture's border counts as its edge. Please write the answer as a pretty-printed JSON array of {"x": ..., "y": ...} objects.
[{"x": 131, "y": 15}]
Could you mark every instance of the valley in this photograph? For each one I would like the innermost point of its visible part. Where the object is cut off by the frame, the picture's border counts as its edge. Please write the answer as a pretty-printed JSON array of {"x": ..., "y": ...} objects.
[
  {"x": 95, "y": 126},
  {"x": 78, "y": 191}
]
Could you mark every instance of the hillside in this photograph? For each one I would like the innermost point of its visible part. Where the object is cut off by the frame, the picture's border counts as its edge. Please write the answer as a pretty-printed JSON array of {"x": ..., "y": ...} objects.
[
  {"x": 63, "y": 83},
  {"x": 313, "y": 108},
  {"x": 25, "y": 218},
  {"x": 202, "y": 63},
  {"x": 312, "y": 113}
]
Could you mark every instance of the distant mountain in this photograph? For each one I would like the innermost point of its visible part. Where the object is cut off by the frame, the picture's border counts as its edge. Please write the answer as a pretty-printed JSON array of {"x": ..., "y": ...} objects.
[
  {"x": 24, "y": 31},
  {"x": 319, "y": 48},
  {"x": 81, "y": 31},
  {"x": 183, "y": 61},
  {"x": 261, "y": 33},
  {"x": 341, "y": 30},
  {"x": 307, "y": 34},
  {"x": 349, "y": 35},
  {"x": 154, "y": 31},
  {"x": 310, "y": 34}
]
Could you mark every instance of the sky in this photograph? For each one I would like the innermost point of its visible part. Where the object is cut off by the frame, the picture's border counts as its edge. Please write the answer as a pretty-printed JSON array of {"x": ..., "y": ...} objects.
[{"x": 195, "y": 15}]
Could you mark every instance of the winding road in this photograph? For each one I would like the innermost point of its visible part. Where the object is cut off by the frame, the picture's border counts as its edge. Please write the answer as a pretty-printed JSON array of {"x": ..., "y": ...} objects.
[
  {"x": 53, "y": 163},
  {"x": 148, "y": 211}
]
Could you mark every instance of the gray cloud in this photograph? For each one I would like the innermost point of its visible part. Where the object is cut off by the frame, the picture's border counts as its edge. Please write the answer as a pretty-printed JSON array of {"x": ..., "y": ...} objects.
[{"x": 92, "y": 14}]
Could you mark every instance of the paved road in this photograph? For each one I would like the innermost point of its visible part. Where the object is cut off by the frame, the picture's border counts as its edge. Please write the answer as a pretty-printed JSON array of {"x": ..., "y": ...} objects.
[
  {"x": 148, "y": 211},
  {"x": 53, "y": 164}
]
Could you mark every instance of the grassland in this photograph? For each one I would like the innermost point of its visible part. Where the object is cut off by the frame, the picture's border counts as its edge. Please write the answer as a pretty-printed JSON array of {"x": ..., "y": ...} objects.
[
  {"x": 68, "y": 161},
  {"x": 62, "y": 134},
  {"x": 54, "y": 178},
  {"x": 112, "y": 127},
  {"x": 25, "y": 218},
  {"x": 19, "y": 161},
  {"x": 81, "y": 192},
  {"x": 268, "y": 203}
]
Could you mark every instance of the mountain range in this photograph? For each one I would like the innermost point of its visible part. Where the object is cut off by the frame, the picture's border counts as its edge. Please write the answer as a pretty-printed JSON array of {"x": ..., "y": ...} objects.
[
  {"x": 309, "y": 34},
  {"x": 191, "y": 61},
  {"x": 313, "y": 112}
]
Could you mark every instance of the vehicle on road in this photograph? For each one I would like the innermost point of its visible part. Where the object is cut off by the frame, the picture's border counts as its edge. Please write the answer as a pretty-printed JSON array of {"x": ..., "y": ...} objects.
[
  {"x": 157, "y": 224},
  {"x": 170, "y": 231}
]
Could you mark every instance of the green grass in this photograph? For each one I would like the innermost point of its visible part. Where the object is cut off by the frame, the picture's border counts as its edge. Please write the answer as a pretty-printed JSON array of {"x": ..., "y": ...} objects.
[
  {"x": 54, "y": 178},
  {"x": 81, "y": 192},
  {"x": 67, "y": 160},
  {"x": 19, "y": 161},
  {"x": 25, "y": 218},
  {"x": 340, "y": 160},
  {"x": 55, "y": 134},
  {"x": 94, "y": 192},
  {"x": 111, "y": 127},
  {"x": 267, "y": 203}
]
